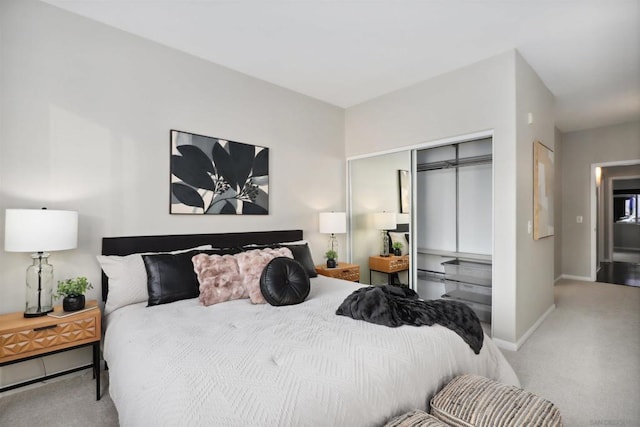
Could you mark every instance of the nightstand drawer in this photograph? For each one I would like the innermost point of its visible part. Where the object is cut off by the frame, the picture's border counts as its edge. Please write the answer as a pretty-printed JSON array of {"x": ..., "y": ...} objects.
[
  {"x": 44, "y": 338},
  {"x": 352, "y": 274},
  {"x": 344, "y": 271},
  {"x": 399, "y": 264},
  {"x": 390, "y": 264}
]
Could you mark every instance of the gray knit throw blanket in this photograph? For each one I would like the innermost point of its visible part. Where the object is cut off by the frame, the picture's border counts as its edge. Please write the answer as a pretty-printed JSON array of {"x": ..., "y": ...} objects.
[{"x": 394, "y": 306}]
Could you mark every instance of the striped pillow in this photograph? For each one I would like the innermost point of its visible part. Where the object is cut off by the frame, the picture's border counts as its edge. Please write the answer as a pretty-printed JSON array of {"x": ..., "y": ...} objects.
[{"x": 471, "y": 400}]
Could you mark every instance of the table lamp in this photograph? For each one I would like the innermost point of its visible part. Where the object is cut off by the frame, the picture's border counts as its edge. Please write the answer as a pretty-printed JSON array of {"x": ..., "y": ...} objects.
[
  {"x": 384, "y": 221},
  {"x": 402, "y": 218},
  {"x": 333, "y": 223},
  {"x": 39, "y": 231}
]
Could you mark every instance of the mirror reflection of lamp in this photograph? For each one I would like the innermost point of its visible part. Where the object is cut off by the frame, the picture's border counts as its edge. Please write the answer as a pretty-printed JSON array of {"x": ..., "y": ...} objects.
[
  {"x": 402, "y": 218},
  {"x": 39, "y": 231},
  {"x": 333, "y": 223},
  {"x": 598, "y": 173},
  {"x": 384, "y": 221}
]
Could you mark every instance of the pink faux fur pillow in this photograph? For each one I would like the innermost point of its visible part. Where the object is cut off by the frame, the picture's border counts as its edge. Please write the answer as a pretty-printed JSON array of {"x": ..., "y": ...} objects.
[
  {"x": 219, "y": 278},
  {"x": 227, "y": 277},
  {"x": 251, "y": 263}
]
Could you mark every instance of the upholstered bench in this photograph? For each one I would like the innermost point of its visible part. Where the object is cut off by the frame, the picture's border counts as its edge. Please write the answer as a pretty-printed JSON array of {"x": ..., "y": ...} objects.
[
  {"x": 474, "y": 401},
  {"x": 415, "y": 418}
]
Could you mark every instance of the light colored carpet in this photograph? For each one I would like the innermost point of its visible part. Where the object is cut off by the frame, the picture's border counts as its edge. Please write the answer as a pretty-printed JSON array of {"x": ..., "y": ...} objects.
[
  {"x": 585, "y": 358},
  {"x": 68, "y": 402}
]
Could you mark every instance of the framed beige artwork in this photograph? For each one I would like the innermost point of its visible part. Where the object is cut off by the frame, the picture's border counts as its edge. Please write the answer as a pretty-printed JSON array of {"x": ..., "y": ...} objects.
[
  {"x": 542, "y": 191},
  {"x": 405, "y": 193}
]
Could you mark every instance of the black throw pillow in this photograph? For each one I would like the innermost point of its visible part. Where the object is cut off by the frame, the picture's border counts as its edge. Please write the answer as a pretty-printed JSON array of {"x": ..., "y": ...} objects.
[
  {"x": 284, "y": 281},
  {"x": 302, "y": 254},
  {"x": 300, "y": 251},
  {"x": 170, "y": 277}
]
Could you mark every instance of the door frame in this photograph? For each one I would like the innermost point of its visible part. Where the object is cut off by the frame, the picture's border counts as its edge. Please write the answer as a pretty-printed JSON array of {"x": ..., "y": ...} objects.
[
  {"x": 594, "y": 210},
  {"x": 609, "y": 196}
]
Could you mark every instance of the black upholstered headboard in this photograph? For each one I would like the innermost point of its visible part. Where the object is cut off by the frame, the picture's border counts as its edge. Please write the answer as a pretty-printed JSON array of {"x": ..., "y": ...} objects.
[
  {"x": 138, "y": 244},
  {"x": 402, "y": 228}
]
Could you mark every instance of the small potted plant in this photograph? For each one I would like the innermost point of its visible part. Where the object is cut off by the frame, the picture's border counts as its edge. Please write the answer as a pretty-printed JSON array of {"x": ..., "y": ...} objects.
[
  {"x": 73, "y": 292},
  {"x": 397, "y": 248},
  {"x": 331, "y": 257}
]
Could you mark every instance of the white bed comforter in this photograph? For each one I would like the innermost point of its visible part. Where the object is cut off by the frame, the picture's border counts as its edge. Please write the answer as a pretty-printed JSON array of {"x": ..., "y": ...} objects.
[{"x": 238, "y": 364}]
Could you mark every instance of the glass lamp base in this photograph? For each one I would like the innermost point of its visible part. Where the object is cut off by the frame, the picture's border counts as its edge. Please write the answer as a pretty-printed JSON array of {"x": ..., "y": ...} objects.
[
  {"x": 32, "y": 312},
  {"x": 333, "y": 244},
  {"x": 39, "y": 286},
  {"x": 385, "y": 244}
]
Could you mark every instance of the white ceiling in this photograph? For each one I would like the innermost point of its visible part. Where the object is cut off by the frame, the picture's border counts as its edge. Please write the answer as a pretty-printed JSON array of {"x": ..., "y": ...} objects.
[{"x": 346, "y": 52}]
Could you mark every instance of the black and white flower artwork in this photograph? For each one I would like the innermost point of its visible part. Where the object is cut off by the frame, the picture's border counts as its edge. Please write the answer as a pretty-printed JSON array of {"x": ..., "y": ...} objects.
[{"x": 215, "y": 176}]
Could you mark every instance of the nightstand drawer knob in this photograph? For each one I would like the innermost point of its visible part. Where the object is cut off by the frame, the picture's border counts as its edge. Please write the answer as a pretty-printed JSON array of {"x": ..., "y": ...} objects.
[{"x": 45, "y": 328}]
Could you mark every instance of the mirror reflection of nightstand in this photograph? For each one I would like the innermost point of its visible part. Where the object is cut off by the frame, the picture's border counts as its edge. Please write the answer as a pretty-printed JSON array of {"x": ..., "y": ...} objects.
[
  {"x": 388, "y": 265},
  {"x": 344, "y": 271}
]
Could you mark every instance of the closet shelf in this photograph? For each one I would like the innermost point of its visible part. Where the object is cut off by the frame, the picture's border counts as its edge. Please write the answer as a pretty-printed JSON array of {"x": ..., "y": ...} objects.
[
  {"x": 452, "y": 254},
  {"x": 469, "y": 296},
  {"x": 469, "y": 282},
  {"x": 455, "y": 163}
]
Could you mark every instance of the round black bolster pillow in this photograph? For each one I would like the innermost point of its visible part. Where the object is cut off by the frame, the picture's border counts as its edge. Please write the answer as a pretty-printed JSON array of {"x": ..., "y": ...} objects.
[{"x": 284, "y": 281}]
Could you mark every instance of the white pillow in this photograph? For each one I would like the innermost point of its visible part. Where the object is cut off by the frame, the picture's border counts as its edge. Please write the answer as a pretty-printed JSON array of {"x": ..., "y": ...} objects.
[
  {"x": 128, "y": 278},
  {"x": 297, "y": 242},
  {"x": 400, "y": 237}
]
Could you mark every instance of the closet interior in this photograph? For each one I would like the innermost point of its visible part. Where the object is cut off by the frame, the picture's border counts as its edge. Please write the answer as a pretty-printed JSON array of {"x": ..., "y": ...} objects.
[{"x": 453, "y": 226}]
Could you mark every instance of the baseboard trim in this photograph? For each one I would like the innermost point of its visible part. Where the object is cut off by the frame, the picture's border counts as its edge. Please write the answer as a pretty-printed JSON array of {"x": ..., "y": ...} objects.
[
  {"x": 557, "y": 279},
  {"x": 505, "y": 345},
  {"x": 572, "y": 277},
  {"x": 508, "y": 345},
  {"x": 535, "y": 326}
]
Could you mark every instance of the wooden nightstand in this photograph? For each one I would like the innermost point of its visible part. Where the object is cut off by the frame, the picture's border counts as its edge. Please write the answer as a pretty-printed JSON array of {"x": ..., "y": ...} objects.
[
  {"x": 344, "y": 271},
  {"x": 389, "y": 264},
  {"x": 28, "y": 338}
]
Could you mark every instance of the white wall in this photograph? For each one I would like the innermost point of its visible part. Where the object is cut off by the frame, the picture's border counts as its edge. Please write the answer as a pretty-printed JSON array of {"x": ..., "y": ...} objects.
[
  {"x": 579, "y": 151},
  {"x": 627, "y": 183},
  {"x": 475, "y": 98},
  {"x": 85, "y": 115},
  {"x": 493, "y": 94},
  {"x": 535, "y": 258},
  {"x": 626, "y": 237},
  {"x": 557, "y": 201}
]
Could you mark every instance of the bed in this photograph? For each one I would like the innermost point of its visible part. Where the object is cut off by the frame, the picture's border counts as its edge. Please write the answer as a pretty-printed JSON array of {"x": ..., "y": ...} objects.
[{"x": 237, "y": 363}]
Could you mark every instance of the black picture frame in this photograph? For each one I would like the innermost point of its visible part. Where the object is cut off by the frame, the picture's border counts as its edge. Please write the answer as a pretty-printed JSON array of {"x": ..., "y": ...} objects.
[{"x": 216, "y": 176}]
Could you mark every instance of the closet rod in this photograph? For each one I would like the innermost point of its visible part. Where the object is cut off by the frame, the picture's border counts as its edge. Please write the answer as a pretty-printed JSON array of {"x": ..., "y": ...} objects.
[{"x": 453, "y": 163}]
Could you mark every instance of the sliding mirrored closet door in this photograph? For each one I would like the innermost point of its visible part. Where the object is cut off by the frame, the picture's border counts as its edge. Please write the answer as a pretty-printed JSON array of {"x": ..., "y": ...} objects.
[
  {"x": 375, "y": 186},
  {"x": 448, "y": 215}
]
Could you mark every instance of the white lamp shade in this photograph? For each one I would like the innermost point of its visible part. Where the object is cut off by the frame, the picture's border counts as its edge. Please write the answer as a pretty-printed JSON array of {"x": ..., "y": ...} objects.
[
  {"x": 384, "y": 220},
  {"x": 40, "y": 230},
  {"x": 333, "y": 222}
]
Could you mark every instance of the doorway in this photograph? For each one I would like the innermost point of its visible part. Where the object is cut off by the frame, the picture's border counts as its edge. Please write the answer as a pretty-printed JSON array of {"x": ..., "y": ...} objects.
[{"x": 616, "y": 218}]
